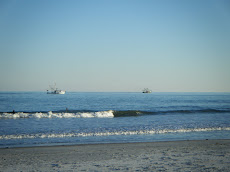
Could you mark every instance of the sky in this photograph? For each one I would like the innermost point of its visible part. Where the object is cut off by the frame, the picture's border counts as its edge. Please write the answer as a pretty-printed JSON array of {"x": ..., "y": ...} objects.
[{"x": 115, "y": 45}]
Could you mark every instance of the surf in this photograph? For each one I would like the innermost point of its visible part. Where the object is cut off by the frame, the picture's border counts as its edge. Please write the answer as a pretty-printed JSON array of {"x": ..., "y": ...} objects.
[
  {"x": 103, "y": 114},
  {"x": 111, "y": 133},
  {"x": 50, "y": 114}
]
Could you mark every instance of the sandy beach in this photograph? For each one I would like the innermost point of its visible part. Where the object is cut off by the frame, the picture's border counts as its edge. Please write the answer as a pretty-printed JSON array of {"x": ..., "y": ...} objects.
[{"x": 203, "y": 155}]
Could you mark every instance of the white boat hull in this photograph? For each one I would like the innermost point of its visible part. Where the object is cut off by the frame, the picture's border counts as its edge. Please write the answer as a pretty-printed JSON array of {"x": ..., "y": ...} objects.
[
  {"x": 61, "y": 92},
  {"x": 56, "y": 92}
]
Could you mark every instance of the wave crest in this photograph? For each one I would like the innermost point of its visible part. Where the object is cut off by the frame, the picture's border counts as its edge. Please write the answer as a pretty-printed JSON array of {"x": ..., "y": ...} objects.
[
  {"x": 113, "y": 133},
  {"x": 101, "y": 114}
]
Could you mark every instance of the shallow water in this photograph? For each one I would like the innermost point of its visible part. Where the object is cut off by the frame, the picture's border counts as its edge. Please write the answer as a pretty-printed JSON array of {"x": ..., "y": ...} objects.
[{"x": 79, "y": 118}]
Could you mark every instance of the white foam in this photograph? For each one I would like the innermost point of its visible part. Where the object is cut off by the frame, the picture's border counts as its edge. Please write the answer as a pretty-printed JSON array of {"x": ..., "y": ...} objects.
[
  {"x": 101, "y": 114},
  {"x": 141, "y": 132},
  {"x": 15, "y": 115}
]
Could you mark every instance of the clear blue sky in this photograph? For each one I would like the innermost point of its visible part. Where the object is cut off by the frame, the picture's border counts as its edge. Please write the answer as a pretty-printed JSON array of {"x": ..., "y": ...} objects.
[{"x": 115, "y": 45}]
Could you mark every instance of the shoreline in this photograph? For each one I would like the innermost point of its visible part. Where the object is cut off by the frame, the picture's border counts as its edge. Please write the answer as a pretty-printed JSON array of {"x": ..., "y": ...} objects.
[
  {"x": 101, "y": 143},
  {"x": 190, "y": 155}
]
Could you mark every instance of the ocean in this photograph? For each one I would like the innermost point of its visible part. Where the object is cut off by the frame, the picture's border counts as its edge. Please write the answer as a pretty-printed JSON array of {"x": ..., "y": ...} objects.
[{"x": 40, "y": 119}]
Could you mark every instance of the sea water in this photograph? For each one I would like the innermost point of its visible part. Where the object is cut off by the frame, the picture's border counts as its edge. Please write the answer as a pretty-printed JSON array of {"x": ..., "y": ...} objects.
[{"x": 37, "y": 118}]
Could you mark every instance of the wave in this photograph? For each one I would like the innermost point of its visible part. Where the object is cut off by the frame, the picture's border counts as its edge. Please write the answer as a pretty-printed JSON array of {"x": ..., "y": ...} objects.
[
  {"x": 113, "y": 133},
  {"x": 101, "y": 114},
  {"x": 196, "y": 111}
]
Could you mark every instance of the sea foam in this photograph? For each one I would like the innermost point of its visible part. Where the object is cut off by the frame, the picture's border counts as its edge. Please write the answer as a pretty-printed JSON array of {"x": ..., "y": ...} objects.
[
  {"x": 101, "y": 114},
  {"x": 112, "y": 133}
]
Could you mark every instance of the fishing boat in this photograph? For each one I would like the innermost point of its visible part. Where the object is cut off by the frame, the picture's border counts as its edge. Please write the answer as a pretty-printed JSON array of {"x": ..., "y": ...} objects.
[
  {"x": 146, "y": 90},
  {"x": 55, "y": 90}
]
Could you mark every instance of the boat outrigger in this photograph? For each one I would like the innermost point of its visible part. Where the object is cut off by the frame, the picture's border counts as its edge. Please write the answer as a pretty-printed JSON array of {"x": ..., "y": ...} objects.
[
  {"x": 146, "y": 90},
  {"x": 54, "y": 90}
]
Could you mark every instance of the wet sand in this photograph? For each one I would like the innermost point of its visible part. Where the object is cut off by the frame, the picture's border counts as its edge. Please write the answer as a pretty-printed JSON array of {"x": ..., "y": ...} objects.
[{"x": 204, "y": 155}]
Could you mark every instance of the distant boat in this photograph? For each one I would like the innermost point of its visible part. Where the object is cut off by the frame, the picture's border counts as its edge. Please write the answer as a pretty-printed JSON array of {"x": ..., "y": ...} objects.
[
  {"x": 54, "y": 90},
  {"x": 146, "y": 90}
]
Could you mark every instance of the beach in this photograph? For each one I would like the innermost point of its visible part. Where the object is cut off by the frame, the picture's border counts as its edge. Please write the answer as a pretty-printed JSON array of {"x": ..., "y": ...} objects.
[{"x": 201, "y": 155}]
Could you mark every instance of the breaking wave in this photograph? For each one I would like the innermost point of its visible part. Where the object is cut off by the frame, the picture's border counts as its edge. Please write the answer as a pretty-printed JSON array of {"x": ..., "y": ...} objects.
[
  {"x": 112, "y": 133},
  {"x": 100, "y": 114}
]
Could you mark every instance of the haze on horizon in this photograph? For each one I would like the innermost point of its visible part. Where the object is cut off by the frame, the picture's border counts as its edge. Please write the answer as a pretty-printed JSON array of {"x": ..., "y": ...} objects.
[{"x": 116, "y": 45}]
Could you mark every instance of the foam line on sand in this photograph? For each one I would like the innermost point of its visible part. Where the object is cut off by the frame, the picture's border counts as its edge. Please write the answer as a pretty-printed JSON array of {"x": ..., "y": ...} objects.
[{"x": 203, "y": 155}]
